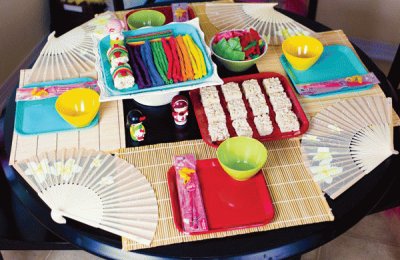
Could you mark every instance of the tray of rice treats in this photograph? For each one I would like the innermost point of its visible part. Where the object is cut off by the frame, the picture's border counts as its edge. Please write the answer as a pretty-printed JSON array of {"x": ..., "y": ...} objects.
[{"x": 262, "y": 106}]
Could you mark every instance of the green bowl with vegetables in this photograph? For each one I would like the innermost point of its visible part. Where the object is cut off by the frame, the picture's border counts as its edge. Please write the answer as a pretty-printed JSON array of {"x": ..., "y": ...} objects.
[{"x": 238, "y": 50}]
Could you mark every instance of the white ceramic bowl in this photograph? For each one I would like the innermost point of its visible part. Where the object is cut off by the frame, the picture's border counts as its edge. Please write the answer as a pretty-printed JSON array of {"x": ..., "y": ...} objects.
[{"x": 156, "y": 99}]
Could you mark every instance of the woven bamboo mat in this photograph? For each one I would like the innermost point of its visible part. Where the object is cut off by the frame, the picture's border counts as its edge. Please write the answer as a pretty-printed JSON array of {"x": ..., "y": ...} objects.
[
  {"x": 297, "y": 199},
  {"x": 107, "y": 135}
]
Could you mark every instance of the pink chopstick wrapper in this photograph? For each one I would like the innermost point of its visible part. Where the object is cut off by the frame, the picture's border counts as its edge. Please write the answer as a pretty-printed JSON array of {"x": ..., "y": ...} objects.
[
  {"x": 25, "y": 94},
  {"x": 190, "y": 201}
]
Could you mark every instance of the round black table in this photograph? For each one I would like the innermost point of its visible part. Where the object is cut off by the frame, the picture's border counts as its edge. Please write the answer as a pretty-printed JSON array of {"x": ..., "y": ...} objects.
[{"x": 348, "y": 209}]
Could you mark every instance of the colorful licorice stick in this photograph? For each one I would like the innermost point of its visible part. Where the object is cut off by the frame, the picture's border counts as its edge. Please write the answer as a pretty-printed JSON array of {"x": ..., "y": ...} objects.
[
  {"x": 158, "y": 50},
  {"x": 123, "y": 76},
  {"x": 149, "y": 36},
  {"x": 199, "y": 55},
  {"x": 117, "y": 54},
  {"x": 176, "y": 70},
  {"x": 193, "y": 59},
  {"x": 147, "y": 58},
  {"x": 185, "y": 57},
  {"x": 143, "y": 80},
  {"x": 181, "y": 61},
  {"x": 136, "y": 69},
  {"x": 168, "y": 54}
]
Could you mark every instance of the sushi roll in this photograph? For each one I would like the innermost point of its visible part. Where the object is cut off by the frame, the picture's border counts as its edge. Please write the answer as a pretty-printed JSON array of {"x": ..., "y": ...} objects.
[
  {"x": 287, "y": 121},
  {"x": 218, "y": 131},
  {"x": 272, "y": 85},
  {"x": 215, "y": 113},
  {"x": 263, "y": 124},
  {"x": 280, "y": 101},
  {"x": 258, "y": 105},
  {"x": 251, "y": 88},
  {"x": 231, "y": 91},
  {"x": 123, "y": 77},
  {"x": 237, "y": 109},
  {"x": 117, "y": 54},
  {"x": 242, "y": 128}
]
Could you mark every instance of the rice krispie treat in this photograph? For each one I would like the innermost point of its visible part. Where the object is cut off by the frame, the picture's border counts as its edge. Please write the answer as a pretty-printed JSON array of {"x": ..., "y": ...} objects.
[
  {"x": 231, "y": 91},
  {"x": 287, "y": 121},
  {"x": 215, "y": 113},
  {"x": 280, "y": 101},
  {"x": 251, "y": 88},
  {"x": 258, "y": 105},
  {"x": 272, "y": 85},
  {"x": 237, "y": 109},
  {"x": 263, "y": 124},
  {"x": 242, "y": 128},
  {"x": 209, "y": 97},
  {"x": 210, "y": 89},
  {"x": 218, "y": 131}
]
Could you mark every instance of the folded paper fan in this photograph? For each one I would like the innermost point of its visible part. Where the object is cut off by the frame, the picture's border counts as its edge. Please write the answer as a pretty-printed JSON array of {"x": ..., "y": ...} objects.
[
  {"x": 94, "y": 188},
  {"x": 348, "y": 140},
  {"x": 260, "y": 16},
  {"x": 71, "y": 55}
]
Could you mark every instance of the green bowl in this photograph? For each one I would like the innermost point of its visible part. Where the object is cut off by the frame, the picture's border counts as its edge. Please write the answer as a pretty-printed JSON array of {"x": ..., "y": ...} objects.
[
  {"x": 145, "y": 18},
  {"x": 241, "y": 157},
  {"x": 234, "y": 65}
]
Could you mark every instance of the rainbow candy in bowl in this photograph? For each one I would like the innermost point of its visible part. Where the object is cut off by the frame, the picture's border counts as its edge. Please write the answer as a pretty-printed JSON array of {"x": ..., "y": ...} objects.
[{"x": 238, "y": 50}]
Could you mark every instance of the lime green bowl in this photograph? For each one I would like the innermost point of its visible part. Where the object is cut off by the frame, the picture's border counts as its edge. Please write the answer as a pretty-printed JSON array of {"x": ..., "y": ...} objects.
[
  {"x": 235, "y": 65},
  {"x": 241, "y": 157},
  {"x": 145, "y": 18}
]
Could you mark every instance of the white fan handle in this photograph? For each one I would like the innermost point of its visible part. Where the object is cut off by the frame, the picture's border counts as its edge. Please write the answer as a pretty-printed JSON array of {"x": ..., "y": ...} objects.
[{"x": 57, "y": 216}]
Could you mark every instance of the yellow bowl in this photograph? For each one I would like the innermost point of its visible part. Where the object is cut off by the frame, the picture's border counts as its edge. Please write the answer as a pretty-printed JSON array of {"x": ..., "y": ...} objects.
[
  {"x": 241, "y": 157},
  {"x": 302, "y": 51},
  {"x": 78, "y": 106}
]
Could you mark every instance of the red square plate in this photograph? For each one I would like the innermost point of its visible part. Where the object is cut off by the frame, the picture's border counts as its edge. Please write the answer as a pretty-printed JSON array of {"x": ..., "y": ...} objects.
[
  {"x": 229, "y": 204},
  {"x": 275, "y": 135}
]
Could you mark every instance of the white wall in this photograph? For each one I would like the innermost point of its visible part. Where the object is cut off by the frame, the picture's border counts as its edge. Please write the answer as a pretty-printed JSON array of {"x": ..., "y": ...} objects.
[
  {"x": 23, "y": 24},
  {"x": 377, "y": 20}
]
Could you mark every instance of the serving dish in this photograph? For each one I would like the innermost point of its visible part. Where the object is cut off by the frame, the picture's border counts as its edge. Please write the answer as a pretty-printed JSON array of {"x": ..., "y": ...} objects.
[
  {"x": 229, "y": 204},
  {"x": 275, "y": 135},
  {"x": 336, "y": 62},
  {"x": 35, "y": 117}
]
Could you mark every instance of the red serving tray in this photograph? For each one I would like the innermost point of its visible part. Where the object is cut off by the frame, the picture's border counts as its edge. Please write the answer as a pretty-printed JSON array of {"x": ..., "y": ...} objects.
[
  {"x": 229, "y": 204},
  {"x": 275, "y": 135},
  {"x": 166, "y": 10}
]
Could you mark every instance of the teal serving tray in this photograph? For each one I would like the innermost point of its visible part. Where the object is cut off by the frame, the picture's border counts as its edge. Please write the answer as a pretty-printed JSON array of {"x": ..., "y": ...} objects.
[
  {"x": 177, "y": 29},
  {"x": 35, "y": 117},
  {"x": 336, "y": 62}
]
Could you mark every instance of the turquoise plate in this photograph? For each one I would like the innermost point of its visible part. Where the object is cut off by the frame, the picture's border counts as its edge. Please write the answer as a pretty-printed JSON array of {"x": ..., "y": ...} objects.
[
  {"x": 337, "y": 61},
  {"x": 39, "y": 116},
  {"x": 177, "y": 29}
]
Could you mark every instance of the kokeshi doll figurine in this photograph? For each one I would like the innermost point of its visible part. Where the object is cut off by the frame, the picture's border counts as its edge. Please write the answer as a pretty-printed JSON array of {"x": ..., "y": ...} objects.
[
  {"x": 180, "y": 109},
  {"x": 134, "y": 121}
]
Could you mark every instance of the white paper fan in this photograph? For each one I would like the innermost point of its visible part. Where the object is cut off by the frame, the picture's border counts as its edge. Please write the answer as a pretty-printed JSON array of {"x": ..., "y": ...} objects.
[
  {"x": 348, "y": 140},
  {"x": 261, "y": 16},
  {"x": 72, "y": 54},
  {"x": 95, "y": 188}
]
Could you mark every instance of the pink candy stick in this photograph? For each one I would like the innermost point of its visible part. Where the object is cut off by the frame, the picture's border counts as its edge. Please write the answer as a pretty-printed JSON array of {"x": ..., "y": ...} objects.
[{"x": 189, "y": 193}]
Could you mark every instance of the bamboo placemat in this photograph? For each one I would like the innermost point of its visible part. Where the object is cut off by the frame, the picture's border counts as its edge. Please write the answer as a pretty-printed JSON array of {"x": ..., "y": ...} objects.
[
  {"x": 107, "y": 135},
  {"x": 297, "y": 199}
]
